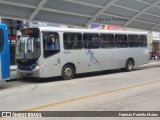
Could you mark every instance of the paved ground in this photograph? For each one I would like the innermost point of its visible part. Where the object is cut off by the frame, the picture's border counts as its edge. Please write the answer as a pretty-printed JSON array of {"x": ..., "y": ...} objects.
[{"x": 106, "y": 91}]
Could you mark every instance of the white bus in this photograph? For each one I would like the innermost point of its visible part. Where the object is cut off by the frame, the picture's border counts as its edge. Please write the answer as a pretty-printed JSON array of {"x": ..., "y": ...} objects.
[{"x": 78, "y": 51}]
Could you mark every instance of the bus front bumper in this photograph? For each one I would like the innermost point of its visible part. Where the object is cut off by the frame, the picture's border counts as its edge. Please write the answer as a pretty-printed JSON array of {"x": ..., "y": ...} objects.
[{"x": 32, "y": 73}]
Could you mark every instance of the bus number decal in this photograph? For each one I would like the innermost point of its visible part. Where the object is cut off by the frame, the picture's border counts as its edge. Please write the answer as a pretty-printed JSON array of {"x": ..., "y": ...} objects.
[{"x": 67, "y": 52}]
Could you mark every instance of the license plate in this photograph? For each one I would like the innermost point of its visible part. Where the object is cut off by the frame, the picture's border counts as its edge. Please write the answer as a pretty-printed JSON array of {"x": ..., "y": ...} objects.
[{"x": 24, "y": 74}]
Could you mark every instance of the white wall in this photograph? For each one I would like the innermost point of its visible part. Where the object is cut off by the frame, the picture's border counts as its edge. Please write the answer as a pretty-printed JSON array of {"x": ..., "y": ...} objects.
[{"x": 156, "y": 36}]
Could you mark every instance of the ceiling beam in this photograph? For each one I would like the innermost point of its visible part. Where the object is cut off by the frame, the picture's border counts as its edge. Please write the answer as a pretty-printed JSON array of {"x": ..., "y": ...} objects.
[
  {"x": 17, "y": 4},
  {"x": 114, "y": 15},
  {"x": 77, "y": 2},
  {"x": 35, "y": 12},
  {"x": 120, "y": 6},
  {"x": 84, "y": 3},
  {"x": 13, "y": 17},
  {"x": 147, "y": 3},
  {"x": 140, "y": 13},
  {"x": 72, "y": 13},
  {"x": 100, "y": 12},
  {"x": 124, "y": 7},
  {"x": 43, "y": 8},
  {"x": 155, "y": 26},
  {"x": 66, "y": 12}
]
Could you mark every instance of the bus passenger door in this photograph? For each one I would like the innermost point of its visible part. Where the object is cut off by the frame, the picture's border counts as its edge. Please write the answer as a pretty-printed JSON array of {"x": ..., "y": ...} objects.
[
  {"x": 51, "y": 50},
  {"x": 4, "y": 53}
]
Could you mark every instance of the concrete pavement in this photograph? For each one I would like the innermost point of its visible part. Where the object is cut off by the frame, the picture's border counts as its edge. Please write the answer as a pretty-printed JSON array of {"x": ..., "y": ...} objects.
[
  {"x": 106, "y": 91},
  {"x": 53, "y": 90}
]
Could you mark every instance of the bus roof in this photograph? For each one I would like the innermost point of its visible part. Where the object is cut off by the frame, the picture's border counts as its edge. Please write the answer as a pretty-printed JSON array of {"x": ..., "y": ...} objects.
[{"x": 89, "y": 30}]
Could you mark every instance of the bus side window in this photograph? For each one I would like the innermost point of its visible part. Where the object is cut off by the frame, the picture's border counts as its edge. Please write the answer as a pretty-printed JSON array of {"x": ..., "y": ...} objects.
[
  {"x": 143, "y": 40},
  {"x": 72, "y": 41},
  {"x": 78, "y": 43},
  {"x": 50, "y": 43},
  {"x": 67, "y": 41},
  {"x": 91, "y": 40},
  {"x": 121, "y": 41},
  {"x": 107, "y": 41},
  {"x": 1, "y": 39},
  {"x": 86, "y": 40},
  {"x": 133, "y": 40}
]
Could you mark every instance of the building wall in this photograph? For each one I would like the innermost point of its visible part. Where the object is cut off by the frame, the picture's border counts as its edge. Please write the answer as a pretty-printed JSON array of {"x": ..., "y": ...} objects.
[{"x": 156, "y": 40}]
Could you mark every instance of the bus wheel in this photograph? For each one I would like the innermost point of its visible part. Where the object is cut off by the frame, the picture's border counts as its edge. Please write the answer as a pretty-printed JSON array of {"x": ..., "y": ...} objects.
[
  {"x": 68, "y": 72},
  {"x": 129, "y": 65}
]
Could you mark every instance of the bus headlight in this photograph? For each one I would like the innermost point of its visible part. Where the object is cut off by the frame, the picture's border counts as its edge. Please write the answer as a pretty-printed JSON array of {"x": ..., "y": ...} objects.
[{"x": 37, "y": 68}]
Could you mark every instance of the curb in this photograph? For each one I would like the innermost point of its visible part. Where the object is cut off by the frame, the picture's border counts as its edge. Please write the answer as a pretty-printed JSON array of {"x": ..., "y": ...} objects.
[{"x": 10, "y": 80}]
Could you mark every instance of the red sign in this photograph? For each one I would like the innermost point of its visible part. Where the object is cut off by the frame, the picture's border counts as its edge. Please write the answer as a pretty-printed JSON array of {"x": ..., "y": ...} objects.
[
  {"x": 119, "y": 28},
  {"x": 12, "y": 37},
  {"x": 112, "y": 27}
]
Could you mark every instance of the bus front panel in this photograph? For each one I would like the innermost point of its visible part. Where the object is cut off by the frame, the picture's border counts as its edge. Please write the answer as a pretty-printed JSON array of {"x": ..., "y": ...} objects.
[{"x": 4, "y": 53}]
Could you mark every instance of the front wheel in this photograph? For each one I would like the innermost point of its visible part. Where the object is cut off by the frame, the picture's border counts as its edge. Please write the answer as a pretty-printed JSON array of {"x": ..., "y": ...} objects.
[
  {"x": 129, "y": 65},
  {"x": 68, "y": 72}
]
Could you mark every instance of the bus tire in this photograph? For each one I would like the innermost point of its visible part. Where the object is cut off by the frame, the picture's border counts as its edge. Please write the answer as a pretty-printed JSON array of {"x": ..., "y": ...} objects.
[
  {"x": 68, "y": 72},
  {"x": 129, "y": 65}
]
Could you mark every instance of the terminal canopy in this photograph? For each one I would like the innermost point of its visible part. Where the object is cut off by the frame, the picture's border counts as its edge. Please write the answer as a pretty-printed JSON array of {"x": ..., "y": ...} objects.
[{"x": 142, "y": 14}]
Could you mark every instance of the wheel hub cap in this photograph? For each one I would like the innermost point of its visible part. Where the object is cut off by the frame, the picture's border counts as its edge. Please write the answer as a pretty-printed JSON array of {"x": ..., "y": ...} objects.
[{"x": 68, "y": 72}]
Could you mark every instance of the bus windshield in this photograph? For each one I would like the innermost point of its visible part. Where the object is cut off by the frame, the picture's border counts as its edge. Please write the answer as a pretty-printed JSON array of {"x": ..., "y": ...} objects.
[{"x": 28, "y": 45}]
